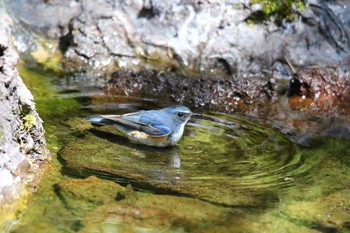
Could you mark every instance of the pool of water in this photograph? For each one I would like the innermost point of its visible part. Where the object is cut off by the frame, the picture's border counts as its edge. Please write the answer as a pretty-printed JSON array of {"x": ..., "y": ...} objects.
[{"x": 227, "y": 174}]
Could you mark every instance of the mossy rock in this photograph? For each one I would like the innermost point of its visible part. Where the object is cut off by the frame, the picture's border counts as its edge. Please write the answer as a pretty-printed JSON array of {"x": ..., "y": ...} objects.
[
  {"x": 280, "y": 10},
  {"x": 93, "y": 191},
  {"x": 154, "y": 213}
]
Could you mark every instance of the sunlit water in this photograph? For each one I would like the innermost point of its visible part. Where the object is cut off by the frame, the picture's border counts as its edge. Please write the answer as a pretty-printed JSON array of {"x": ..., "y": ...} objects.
[{"x": 248, "y": 176}]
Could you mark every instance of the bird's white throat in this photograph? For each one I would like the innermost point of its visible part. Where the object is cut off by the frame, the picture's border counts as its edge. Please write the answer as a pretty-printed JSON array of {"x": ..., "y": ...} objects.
[{"x": 176, "y": 136}]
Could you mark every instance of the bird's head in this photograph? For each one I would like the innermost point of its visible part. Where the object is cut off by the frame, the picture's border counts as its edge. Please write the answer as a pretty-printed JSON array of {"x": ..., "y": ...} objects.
[{"x": 178, "y": 114}]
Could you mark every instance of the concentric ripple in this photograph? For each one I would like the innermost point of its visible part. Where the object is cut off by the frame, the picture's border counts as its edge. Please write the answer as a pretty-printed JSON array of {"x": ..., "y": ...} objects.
[{"x": 221, "y": 158}]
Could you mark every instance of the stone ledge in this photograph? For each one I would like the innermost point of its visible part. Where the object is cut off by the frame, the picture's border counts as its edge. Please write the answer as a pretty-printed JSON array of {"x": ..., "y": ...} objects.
[{"x": 22, "y": 142}]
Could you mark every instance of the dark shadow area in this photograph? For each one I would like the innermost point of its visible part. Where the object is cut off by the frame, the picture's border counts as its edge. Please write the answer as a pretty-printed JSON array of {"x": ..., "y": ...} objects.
[
  {"x": 64, "y": 42},
  {"x": 2, "y": 49},
  {"x": 225, "y": 66},
  {"x": 147, "y": 13}
]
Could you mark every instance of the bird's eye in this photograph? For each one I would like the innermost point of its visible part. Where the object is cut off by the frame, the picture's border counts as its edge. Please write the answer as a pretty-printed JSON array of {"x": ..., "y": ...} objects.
[{"x": 180, "y": 114}]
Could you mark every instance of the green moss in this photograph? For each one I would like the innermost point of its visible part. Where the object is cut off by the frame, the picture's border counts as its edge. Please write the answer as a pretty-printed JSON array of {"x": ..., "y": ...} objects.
[
  {"x": 53, "y": 112},
  {"x": 47, "y": 54},
  {"x": 237, "y": 6},
  {"x": 51, "y": 109},
  {"x": 280, "y": 9},
  {"x": 155, "y": 213},
  {"x": 300, "y": 5},
  {"x": 29, "y": 121},
  {"x": 83, "y": 195}
]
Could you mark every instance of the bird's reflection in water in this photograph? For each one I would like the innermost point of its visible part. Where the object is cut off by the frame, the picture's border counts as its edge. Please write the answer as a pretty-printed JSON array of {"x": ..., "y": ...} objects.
[
  {"x": 157, "y": 165},
  {"x": 168, "y": 167},
  {"x": 175, "y": 163}
]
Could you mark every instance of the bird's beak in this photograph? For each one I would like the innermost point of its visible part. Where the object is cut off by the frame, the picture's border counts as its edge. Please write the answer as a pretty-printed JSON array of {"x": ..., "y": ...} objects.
[{"x": 196, "y": 115}]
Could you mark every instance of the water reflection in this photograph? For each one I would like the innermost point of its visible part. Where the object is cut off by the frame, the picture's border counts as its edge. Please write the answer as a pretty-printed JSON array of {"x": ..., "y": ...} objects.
[
  {"x": 175, "y": 163},
  {"x": 216, "y": 151},
  {"x": 241, "y": 176}
]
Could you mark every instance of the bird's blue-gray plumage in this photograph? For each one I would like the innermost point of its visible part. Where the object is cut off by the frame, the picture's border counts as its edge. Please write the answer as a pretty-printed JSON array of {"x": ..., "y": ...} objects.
[{"x": 160, "y": 128}]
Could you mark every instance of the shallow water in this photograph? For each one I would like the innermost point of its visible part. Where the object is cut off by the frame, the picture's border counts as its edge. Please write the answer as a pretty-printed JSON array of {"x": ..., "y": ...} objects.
[{"x": 227, "y": 174}]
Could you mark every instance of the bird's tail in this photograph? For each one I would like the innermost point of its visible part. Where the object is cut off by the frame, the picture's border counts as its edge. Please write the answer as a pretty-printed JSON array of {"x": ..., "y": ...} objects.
[{"x": 100, "y": 121}]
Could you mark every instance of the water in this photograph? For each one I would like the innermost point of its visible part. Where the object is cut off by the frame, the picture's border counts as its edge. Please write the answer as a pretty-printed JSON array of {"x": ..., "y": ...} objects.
[{"x": 227, "y": 174}]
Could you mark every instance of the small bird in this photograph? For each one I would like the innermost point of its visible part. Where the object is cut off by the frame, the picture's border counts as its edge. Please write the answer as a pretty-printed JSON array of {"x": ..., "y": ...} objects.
[{"x": 158, "y": 128}]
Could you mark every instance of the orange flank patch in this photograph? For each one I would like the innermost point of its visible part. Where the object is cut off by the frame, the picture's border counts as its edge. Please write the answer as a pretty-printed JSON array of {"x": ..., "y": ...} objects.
[
  {"x": 141, "y": 135},
  {"x": 159, "y": 139}
]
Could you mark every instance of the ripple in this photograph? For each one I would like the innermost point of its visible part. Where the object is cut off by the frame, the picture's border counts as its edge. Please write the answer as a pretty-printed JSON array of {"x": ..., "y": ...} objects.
[{"x": 221, "y": 158}]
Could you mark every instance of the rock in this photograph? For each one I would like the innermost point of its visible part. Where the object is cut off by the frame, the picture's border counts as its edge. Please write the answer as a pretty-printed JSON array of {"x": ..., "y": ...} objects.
[
  {"x": 155, "y": 213},
  {"x": 322, "y": 86},
  {"x": 208, "y": 55},
  {"x": 113, "y": 207},
  {"x": 315, "y": 92},
  {"x": 74, "y": 192},
  {"x": 207, "y": 92},
  {"x": 50, "y": 18},
  {"x": 206, "y": 36},
  {"x": 330, "y": 212},
  {"x": 22, "y": 143}
]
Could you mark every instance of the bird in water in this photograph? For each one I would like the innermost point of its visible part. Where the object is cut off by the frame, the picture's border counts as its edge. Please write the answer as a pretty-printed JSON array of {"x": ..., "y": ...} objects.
[{"x": 160, "y": 128}]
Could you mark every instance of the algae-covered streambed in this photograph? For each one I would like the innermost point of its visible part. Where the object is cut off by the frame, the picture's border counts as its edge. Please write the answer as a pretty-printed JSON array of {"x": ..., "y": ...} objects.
[{"x": 227, "y": 174}]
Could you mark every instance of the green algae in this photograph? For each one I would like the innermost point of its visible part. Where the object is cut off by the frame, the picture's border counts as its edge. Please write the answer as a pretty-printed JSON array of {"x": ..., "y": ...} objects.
[
  {"x": 155, "y": 213},
  {"x": 330, "y": 211},
  {"x": 47, "y": 54},
  {"x": 280, "y": 10},
  {"x": 80, "y": 190},
  {"x": 29, "y": 121},
  {"x": 290, "y": 214},
  {"x": 52, "y": 110}
]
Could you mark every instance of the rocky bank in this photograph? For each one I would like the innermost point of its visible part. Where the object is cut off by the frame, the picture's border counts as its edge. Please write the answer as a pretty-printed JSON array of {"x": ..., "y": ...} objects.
[{"x": 22, "y": 142}]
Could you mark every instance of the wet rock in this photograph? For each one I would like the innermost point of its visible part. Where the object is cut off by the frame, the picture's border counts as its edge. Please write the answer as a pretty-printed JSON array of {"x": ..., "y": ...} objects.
[
  {"x": 73, "y": 191},
  {"x": 323, "y": 86},
  {"x": 326, "y": 213},
  {"x": 112, "y": 206},
  {"x": 22, "y": 143},
  {"x": 48, "y": 17},
  {"x": 207, "y": 92},
  {"x": 156, "y": 213},
  {"x": 312, "y": 92},
  {"x": 323, "y": 95}
]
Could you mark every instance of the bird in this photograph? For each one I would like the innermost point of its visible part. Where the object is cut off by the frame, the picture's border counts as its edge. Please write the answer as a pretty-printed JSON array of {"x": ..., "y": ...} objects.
[{"x": 158, "y": 128}]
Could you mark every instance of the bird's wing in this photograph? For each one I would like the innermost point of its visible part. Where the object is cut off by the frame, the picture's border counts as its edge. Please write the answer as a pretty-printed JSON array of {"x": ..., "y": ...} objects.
[{"x": 140, "y": 123}]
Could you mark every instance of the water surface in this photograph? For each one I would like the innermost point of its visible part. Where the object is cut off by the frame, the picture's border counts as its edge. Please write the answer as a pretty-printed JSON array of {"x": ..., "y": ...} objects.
[{"x": 227, "y": 174}]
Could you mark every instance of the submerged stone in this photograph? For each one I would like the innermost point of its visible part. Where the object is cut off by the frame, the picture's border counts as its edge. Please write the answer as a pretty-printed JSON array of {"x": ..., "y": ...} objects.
[
  {"x": 154, "y": 213},
  {"x": 90, "y": 190},
  {"x": 328, "y": 212}
]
